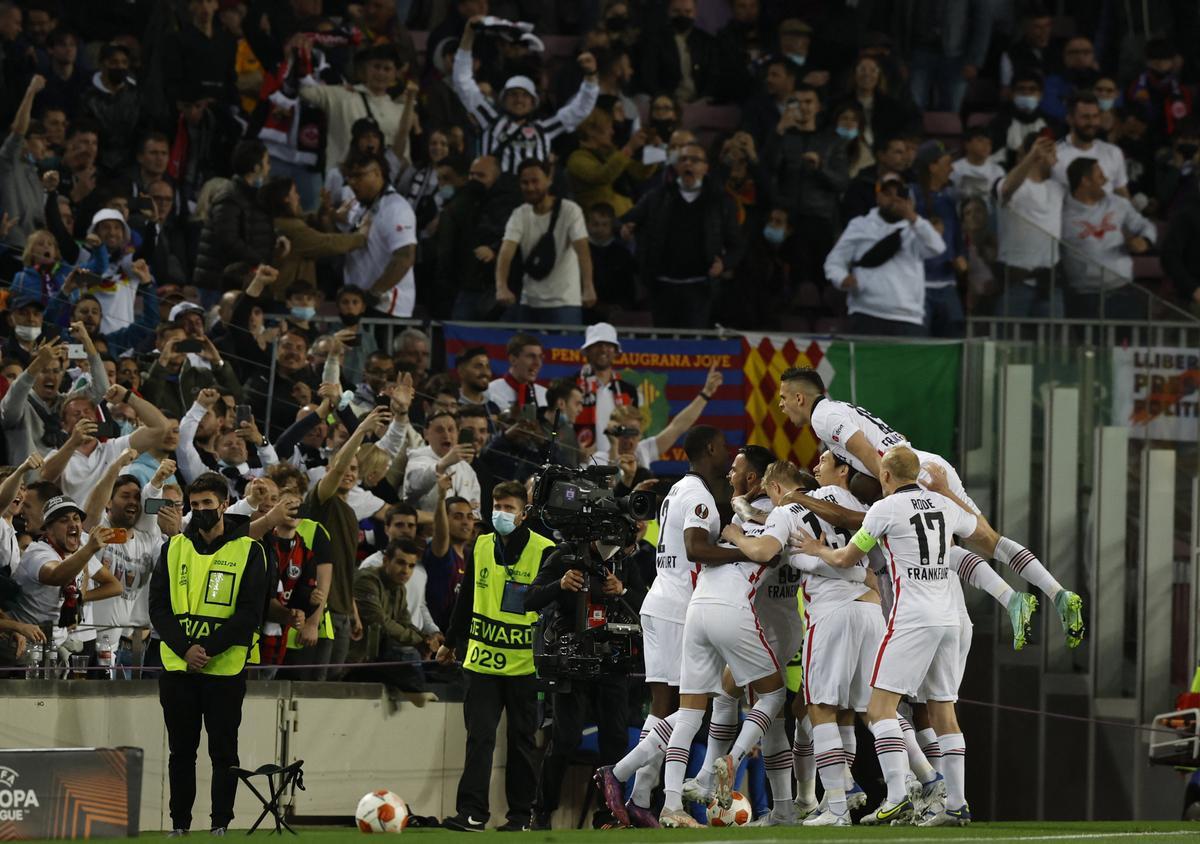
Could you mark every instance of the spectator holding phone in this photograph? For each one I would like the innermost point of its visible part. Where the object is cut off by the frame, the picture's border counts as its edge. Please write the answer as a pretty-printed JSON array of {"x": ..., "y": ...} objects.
[
  {"x": 442, "y": 454},
  {"x": 83, "y": 457},
  {"x": 119, "y": 501},
  {"x": 29, "y": 412}
]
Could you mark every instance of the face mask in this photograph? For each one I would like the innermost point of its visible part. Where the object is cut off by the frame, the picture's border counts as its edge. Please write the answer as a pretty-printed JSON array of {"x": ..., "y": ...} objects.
[
  {"x": 206, "y": 520},
  {"x": 1026, "y": 103},
  {"x": 475, "y": 188},
  {"x": 600, "y": 244},
  {"x": 1188, "y": 151},
  {"x": 663, "y": 128},
  {"x": 446, "y": 193},
  {"x": 847, "y": 132},
  {"x": 114, "y": 77},
  {"x": 27, "y": 333},
  {"x": 351, "y": 319},
  {"x": 504, "y": 523},
  {"x": 797, "y": 59},
  {"x": 304, "y": 314},
  {"x": 774, "y": 234},
  {"x": 681, "y": 23},
  {"x": 607, "y": 552},
  {"x": 1106, "y": 103}
]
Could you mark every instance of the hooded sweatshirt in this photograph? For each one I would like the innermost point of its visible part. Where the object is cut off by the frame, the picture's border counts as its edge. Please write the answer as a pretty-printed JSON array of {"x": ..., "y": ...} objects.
[
  {"x": 118, "y": 287},
  {"x": 895, "y": 290}
]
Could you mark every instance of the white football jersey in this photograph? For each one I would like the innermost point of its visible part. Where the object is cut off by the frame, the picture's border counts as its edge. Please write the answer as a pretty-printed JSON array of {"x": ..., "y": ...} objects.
[
  {"x": 775, "y": 599},
  {"x": 835, "y": 422},
  {"x": 916, "y": 527},
  {"x": 960, "y": 492},
  {"x": 689, "y": 504},
  {"x": 730, "y": 584},
  {"x": 822, "y": 595}
]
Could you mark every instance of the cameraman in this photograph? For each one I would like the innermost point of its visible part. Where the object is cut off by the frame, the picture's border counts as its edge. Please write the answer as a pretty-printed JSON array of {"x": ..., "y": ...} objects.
[{"x": 620, "y": 592}]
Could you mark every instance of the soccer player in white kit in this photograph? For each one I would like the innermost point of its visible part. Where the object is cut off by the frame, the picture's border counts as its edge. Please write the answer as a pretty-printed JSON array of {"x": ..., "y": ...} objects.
[
  {"x": 776, "y": 604},
  {"x": 689, "y": 525},
  {"x": 920, "y": 646},
  {"x": 861, "y": 439},
  {"x": 722, "y": 629},
  {"x": 843, "y": 624}
]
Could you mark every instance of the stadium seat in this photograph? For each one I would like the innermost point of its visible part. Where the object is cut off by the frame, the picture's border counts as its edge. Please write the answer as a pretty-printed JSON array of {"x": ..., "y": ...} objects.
[
  {"x": 980, "y": 118},
  {"x": 1147, "y": 267},
  {"x": 560, "y": 46},
  {"x": 716, "y": 119},
  {"x": 942, "y": 124}
]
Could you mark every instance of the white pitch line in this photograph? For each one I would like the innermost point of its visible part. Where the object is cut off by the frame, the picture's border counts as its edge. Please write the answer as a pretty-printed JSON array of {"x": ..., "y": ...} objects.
[{"x": 978, "y": 839}]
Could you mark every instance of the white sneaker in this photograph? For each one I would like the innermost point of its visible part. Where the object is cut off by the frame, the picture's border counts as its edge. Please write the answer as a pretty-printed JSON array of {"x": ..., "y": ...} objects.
[
  {"x": 856, "y": 798},
  {"x": 723, "y": 773},
  {"x": 889, "y": 813},
  {"x": 773, "y": 818},
  {"x": 803, "y": 809},
  {"x": 694, "y": 792},
  {"x": 678, "y": 820},
  {"x": 828, "y": 819}
]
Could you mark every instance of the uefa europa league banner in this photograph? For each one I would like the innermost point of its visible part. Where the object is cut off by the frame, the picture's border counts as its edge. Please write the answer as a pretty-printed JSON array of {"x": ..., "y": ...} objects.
[{"x": 70, "y": 793}]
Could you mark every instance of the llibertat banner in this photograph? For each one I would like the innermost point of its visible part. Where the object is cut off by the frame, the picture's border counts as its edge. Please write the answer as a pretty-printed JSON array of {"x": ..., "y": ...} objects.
[{"x": 1156, "y": 392}]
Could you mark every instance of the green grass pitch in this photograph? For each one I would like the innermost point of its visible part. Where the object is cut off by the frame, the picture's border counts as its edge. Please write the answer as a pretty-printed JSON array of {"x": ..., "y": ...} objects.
[{"x": 1166, "y": 832}]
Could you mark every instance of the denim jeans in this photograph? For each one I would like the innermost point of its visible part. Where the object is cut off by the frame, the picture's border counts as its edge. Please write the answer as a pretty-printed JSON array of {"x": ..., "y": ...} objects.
[
  {"x": 944, "y": 312},
  {"x": 473, "y": 305},
  {"x": 941, "y": 73}
]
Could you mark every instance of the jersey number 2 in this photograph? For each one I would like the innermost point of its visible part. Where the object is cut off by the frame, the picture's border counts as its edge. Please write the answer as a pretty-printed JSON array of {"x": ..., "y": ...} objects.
[
  {"x": 931, "y": 519},
  {"x": 662, "y": 524}
]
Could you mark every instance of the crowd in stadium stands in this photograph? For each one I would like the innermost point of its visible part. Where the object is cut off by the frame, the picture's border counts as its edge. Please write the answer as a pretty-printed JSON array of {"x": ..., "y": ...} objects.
[{"x": 203, "y": 200}]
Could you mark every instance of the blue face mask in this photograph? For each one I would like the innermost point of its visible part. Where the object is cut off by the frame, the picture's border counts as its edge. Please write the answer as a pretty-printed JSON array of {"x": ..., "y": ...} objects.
[
  {"x": 774, "y": 234},
  {"x": 1026, "y": 102},
  {"x": 849, "y": 133},
  {"x": 304, "y": 314},
  {"x": 1106, "y": 103},
  {"x": 445, "y": 193},
  {"x": 504, "y": 523},
  {"x": 797, "y": 59}
]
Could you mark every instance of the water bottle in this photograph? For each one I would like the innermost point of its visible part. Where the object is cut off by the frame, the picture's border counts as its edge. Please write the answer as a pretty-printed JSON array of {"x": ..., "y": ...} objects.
[
  {"x": 33, "y": 662},
  {"x": 108, "y": 662}
]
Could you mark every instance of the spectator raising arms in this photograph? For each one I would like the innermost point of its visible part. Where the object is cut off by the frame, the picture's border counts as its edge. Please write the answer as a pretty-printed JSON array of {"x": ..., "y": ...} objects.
[{"x": 512, "y": 134}]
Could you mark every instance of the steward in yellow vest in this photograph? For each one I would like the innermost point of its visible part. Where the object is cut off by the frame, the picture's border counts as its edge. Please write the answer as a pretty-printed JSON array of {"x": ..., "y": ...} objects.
[
  {"x": 493, "y": 634},
  {"x": 208, "y": 594}
]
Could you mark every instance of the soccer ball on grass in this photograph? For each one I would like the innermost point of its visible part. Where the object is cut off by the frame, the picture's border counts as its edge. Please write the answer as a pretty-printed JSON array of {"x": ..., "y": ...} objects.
[
  {"x": 381, "y": 811},
  {"x": 739, "y": 812}
]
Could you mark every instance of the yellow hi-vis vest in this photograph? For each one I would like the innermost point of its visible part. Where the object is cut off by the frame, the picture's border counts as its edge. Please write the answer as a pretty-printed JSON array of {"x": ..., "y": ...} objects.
[
  {"x": 204, "y": 591},
  {"x": 306, "y": 530},
  {"x": 502, "y": 642}
]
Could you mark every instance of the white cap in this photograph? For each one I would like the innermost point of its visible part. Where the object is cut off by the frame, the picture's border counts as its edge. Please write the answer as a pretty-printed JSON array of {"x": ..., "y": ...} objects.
[
  {"x": 184, "y": 308},
  {"x": 601, "y": 332},
  {"x": 524, "y": 83}
]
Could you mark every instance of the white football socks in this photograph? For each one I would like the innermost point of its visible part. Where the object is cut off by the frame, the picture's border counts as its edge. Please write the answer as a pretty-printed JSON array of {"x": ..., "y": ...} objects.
[
  {"x": 831, "y": 765},
  {"x": 722, "y": 732},
  {"x": 893, "y": 756},
  {"x": 1021, "y": 560},
  {"x": 954, "y": 763},
  {"x": 928, "y": 741},
  {"x": 758, "y": 719},
  {"x": 686, "y": 727},
  {"x": 777, "y": 759},
  {"x": 973, "y": 569},
  {"x": 916, "y": 759},
  {"x": 804, "y": 766}
]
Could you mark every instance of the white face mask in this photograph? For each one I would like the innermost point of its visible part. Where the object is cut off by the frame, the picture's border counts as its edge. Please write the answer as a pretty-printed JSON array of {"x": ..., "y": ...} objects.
[
  {"x": 607, "y": 552},
  {"x": 27, "y": 333}
]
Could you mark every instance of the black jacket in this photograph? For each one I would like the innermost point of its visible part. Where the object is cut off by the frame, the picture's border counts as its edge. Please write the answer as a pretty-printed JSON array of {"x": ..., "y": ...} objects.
[
  {"x": 119, "y": 115},
  {"x": 546, "y": 590},
  {"x": 659, "y": 63},
  {"x": 798, "y": 186},
  {"x": 1181, "y": 249},
  {"x": 468, "y": 221},
  {"x": 238, "y": 230},
  {"x": 720, "y": 235}
]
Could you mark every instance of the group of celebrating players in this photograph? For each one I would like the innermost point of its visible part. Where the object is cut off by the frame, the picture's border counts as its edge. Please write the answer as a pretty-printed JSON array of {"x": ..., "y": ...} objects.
[{"x": 877, "y": 540}]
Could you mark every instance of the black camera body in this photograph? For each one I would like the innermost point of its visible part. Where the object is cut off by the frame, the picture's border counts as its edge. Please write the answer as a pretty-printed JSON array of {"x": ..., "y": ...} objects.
[
  {"x": 580, "y": 504},
  {"x": 603, "y": 638}
]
